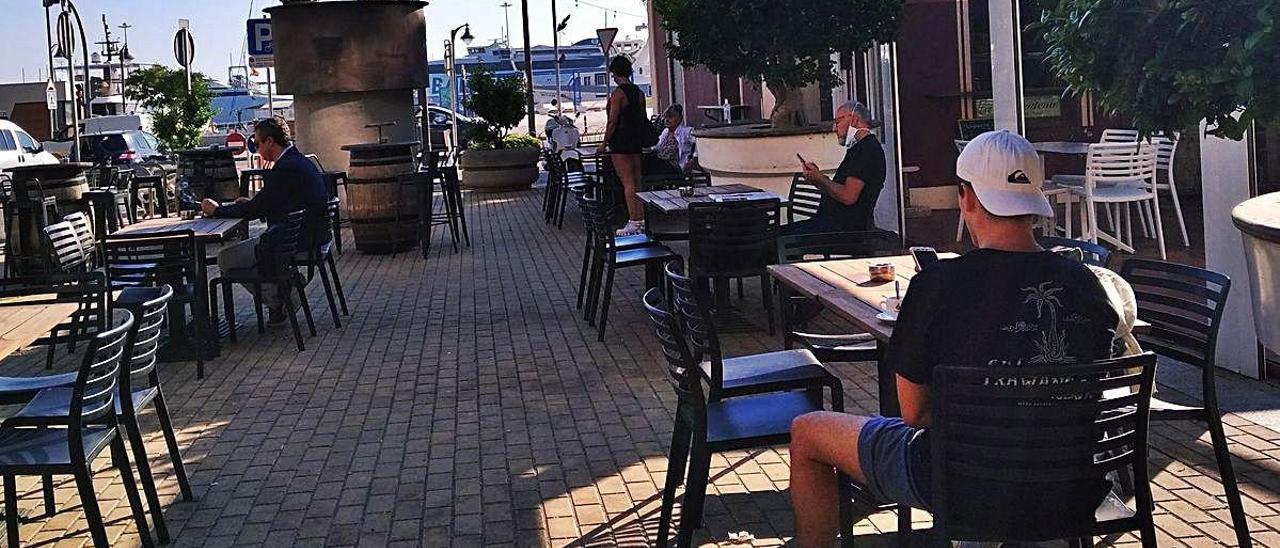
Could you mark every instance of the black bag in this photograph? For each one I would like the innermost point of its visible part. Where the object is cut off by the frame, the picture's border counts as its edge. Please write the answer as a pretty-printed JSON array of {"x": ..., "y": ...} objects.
[{"x": 648, "y": 134}]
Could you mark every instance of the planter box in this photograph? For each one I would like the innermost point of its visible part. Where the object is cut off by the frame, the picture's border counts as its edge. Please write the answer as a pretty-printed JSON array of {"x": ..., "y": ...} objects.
[
  {"x": 764, "y": 157},
  {"x": 1259, "y": 223},
  {"x": 499, "y": 170}
]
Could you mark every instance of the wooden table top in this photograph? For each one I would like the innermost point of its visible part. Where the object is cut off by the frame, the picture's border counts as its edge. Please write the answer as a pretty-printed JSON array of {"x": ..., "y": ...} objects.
[
  {"x": 668, "y": 201},
  {"x": 207, "y": 229},
  {"x": 22, "y": 324}
]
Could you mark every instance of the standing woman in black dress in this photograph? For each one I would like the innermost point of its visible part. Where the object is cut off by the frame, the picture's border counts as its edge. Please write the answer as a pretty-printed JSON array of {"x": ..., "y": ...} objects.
[{"x": 622, "y": 137}]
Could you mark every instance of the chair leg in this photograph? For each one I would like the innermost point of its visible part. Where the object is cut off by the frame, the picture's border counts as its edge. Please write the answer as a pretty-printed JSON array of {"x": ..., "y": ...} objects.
[
  {"x": 328, "y": 295},
  {"x": 1222, "y": 453},
  {"x": 120, "y": 458},
  {"x": 257, "y": 306},
  {"x": 1159, "y": 226},
  {"x": 230, "y": 309},
  {"x": 598, "y": 259},
  {"x": 904, "y": 526},
  {"x": 677, "y": 462},
  {"x": 1177, "y": 208},
  {"x": 582, "y": 275},
  {"x": 293, "y": 318},
  {"x": 11, "y": 511},
  {"x": 46, "y": 487},
  {"x": 130, "y": 423},
  {"x": 695, "y": 491},
  {"x": 766, "y": 293},
  {"x": 171, "y": 441},
  {"x": 89, "y": 501},
  {"x": 846, "y": 510},
  {"x": 607, "y": 296},
  {"x": 306, "y": 305},
  {"x": 337, "y": 284}
]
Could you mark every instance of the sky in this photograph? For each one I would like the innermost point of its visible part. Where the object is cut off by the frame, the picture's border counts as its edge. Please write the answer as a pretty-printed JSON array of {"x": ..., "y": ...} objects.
[{"x": 219, "y": 27}]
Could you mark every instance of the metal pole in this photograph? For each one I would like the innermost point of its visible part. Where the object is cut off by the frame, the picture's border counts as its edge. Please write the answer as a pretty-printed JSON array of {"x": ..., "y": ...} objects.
[
  {"x": 450, "y": 59},
  {"x": 528, "y": 65},
  {"x": 48, "y": 34},
  {"x": 555, "y": 44},
  {"x": 271, "y": 97},
  {"x": 75, "y": 146}
]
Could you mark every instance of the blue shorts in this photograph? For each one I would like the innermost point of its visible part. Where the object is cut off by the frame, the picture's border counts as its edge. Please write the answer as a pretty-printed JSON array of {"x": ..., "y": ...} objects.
[{"x": 885, "y": 450}]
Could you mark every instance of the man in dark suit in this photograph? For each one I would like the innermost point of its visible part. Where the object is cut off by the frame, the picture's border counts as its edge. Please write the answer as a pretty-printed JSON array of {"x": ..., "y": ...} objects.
[{"x": 293, "y": 184}]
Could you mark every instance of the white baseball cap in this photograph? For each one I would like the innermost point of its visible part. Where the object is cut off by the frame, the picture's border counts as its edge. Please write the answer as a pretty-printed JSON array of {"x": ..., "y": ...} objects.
[{"x": 1006, "y": 173}]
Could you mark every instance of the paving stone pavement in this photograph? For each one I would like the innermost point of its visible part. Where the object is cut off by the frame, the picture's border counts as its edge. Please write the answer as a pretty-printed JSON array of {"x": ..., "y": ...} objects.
[{"x": 465, "y": 403}]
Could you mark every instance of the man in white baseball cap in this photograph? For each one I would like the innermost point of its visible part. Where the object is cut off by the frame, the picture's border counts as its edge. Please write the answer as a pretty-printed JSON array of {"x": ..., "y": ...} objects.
[{"x": 1007, "y": 303}]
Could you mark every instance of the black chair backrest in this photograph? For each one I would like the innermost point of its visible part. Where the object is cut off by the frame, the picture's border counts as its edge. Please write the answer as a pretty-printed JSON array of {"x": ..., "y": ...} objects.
[
  {"x": 87, "y": 289},
  {"x": 803, "y": 200},
  {"x": 1034, "y": 430},
  {"x": 597, "y": 218},
  {"x": 680, "y": 364},
  {"x": 93, "y": 396},
  {"x": 65, "y": 248},
  {"x": 797, "y": 248},
  {"x": 1184, "y": 306},
  {"x": 1093, "y": 254},
  {"x": 690, "y": 304},
  {"x": 278, "y": 246},
  {"x": 143, "y": 353},
  {"x": 732, "y": 239},
  {"x": 315, "y": 161},
  {"x": 134, "y": 260}
]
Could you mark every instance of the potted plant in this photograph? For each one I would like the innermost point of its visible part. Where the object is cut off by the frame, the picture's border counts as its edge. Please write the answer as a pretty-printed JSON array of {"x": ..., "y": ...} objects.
[
  {"x": 1170, "y": 64},
  {"x": 787, "y": 45},
  {"x": 497, "y": 161}
]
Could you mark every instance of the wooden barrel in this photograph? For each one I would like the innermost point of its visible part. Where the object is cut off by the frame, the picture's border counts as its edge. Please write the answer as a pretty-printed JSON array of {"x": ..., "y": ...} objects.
[
  {"x": 383, "y": 209},
  {"x": 211, "y": 172},
  {"x": 66, "y": 183}
]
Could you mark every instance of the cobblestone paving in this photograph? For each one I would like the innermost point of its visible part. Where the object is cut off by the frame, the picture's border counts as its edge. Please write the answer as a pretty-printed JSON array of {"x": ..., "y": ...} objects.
[{"x": 464, "y": 403}]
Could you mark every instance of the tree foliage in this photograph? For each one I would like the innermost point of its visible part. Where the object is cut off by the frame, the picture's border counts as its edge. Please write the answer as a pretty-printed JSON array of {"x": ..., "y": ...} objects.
[
  {"x": 787, "y": 44},
  {"x": 501, "y": 103},
  {"x": 178, "y": 117},
  {"x": 1167, "y": 64}
]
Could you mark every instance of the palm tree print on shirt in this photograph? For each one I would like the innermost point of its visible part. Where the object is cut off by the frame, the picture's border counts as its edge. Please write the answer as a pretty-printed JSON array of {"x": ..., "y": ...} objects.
[{"x": 1051, "y": 339}]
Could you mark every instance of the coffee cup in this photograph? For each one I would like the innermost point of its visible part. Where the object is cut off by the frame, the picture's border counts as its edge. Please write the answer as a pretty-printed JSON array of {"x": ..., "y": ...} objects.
[
  {"x": 188, "y": 214},
  {"x": 891, "y": 305}
]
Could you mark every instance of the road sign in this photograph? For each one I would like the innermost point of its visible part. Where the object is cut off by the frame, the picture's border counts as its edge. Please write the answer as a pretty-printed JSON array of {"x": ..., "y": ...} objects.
[
  {"x": 51, "y": 96},
  {"x": 184, "y": 47},
  {"x": 66, "y": 35},
  {"x": 606, "y": 36},
  {"x": 260, "y": 42},
  {"x": 262, "y": 61}
]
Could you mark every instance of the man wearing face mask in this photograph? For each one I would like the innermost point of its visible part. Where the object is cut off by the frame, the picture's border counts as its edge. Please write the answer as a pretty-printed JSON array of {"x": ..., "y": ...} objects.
[{"x": 849, "y": 198}]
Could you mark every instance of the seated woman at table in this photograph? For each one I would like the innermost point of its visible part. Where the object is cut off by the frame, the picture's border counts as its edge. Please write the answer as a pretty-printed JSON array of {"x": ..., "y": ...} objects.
[
  {"x": 675, "y": 145},
  {"x": 1007, "y": 303},
  {"x": 848, "y": 199},
  {"x": 293, "y": 184}
]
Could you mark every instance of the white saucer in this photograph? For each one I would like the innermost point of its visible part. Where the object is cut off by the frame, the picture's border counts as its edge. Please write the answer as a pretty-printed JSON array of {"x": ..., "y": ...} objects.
[{"x": 887, "y": 317}]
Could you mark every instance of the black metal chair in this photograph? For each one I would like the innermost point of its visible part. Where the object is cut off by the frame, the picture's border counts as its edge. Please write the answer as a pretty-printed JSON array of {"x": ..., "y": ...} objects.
[
  {"x": 91, "y": 428},
  {"x": 607, "y": 257},
  {"x": 158, "y": 189},
  {"x": 734, "y": 240},
  {"x": 706, "y": 426},
  {"x": 592, "y": 247},
  {"x": 1055, "y": 429},
  {"x": 797, "y": 248},
  {"x": 66, "y": 248},
  {"x": 1184, "y": 306},
  {"x": 149, "y": 260},
  {"x": 561, "y": 182},
  {"x": 802, "y": 200},
  {"x": 88, "y": 290},
  {"x": 52, "y": 407},
  {"x": 321, "y": 258},
  {"x": 1091, "y": 253},
  {"x": 277, "y": 251}
]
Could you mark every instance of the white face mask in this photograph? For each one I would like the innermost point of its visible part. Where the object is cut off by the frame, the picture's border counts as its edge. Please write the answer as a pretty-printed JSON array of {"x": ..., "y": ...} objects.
[{"x": 855, "y": 135}]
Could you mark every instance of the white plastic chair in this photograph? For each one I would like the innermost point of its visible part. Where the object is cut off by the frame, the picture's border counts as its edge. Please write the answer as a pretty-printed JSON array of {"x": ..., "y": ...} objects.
[
  {"x": 1166, "y": 152},
  {"x": 960, "y": 144},
  {"x": 1113, "y": 135},
  {"x": 1117, "y": 174}
]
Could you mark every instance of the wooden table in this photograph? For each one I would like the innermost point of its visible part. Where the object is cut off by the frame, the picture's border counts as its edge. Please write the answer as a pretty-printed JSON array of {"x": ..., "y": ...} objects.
[
  {"x": 207, "y": 230},
  {"x": 670, "y": 201},
  {"x": 21, "y": 324}
]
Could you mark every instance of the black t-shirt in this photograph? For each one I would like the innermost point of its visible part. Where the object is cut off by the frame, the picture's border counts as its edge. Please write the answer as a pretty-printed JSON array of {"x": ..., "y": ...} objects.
[
  {"x": 1003, "y": 309},
  {"x": 864, "y": 160}
]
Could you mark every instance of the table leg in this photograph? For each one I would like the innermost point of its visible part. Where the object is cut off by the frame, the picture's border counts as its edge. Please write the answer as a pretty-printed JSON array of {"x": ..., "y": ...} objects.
[{"x": 888, "y": 385}]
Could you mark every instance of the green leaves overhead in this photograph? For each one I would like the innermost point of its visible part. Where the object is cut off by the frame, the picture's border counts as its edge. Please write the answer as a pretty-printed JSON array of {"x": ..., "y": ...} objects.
[
  {"x": 1167, "y": 64},
  {"x": 780, "y": 42}
]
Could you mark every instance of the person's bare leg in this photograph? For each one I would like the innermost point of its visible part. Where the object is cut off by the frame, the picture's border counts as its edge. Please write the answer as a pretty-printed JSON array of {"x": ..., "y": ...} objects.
[
  {"x": 821, "y": 442},
  {"x": 627, "y": 166}
]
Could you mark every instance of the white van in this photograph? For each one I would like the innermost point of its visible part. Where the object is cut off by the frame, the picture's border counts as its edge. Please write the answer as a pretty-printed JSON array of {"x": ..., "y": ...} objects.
[{"x": 18, "y": 148}]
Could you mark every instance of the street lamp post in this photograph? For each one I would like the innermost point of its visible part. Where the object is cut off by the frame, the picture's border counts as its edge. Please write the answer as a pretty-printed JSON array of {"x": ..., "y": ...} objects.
[
  {"x": 67, "y": 52},
  {"x": 125, "y": 59},
  {"x": 450, "y": 59}
]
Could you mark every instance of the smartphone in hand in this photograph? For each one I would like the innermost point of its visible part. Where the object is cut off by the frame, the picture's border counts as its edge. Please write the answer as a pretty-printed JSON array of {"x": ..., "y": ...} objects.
[
  {"x": 802, "y": 160},
  {"x": 924, "y": 257}
]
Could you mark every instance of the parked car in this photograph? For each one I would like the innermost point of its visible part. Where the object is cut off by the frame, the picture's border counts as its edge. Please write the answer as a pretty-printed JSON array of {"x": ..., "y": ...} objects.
[
  {"x": 440, "y": 121},
  {"x": 18, "y": 148},
  {"x": 133, "y": 148}
]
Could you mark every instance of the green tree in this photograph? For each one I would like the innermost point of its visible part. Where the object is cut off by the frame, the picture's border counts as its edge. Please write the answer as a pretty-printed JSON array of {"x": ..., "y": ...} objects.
[
  {"x": 178, "y": 117},
  {"x": 787, "y": 44},
  {"x": 501, "y": 105},
  {"x": 1167, "y": 64}
]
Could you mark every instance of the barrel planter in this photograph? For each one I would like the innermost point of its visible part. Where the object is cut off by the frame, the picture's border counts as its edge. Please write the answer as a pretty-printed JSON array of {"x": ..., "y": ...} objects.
[
  {"x": 381, "y": 205},
  {"x": 67, "y": 183},
  {"x": 502, "y": 170},
  {"x": 210, "y": 173},
  {"x": 1258, "y": 220}
]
